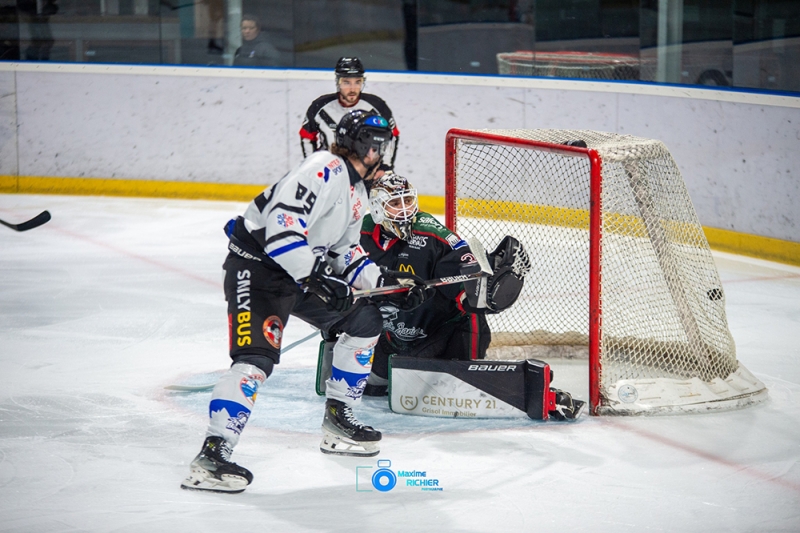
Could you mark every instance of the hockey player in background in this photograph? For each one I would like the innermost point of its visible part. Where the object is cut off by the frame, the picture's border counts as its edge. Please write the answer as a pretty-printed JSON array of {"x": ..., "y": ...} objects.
[
  {"x": 295, "y": 251},
  {"x": 451, "y": 323},
  {"x": 325, "y": 112}
]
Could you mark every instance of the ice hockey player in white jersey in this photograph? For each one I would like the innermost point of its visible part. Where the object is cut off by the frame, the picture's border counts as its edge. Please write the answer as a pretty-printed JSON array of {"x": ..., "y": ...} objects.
[
  {"x": 296, "y": 251},
  {"x": 325, "y": 112}
]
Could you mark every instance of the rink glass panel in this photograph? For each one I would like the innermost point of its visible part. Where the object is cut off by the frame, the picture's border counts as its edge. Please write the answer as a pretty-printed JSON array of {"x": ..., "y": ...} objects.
[{"x": 734, "y": 43}]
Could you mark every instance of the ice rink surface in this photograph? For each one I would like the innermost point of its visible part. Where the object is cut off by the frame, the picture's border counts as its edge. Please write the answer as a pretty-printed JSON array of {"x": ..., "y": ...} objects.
[{"x": 115, "y": 298}]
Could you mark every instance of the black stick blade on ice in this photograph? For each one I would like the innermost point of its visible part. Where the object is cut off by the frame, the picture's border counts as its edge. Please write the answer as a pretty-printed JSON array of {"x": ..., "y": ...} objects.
[{"x": 35, "y": 222}]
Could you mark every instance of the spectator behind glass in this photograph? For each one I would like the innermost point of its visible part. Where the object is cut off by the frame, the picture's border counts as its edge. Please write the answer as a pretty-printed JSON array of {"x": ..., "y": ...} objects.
[
  {"x": 39, "y": 26},
  {"x": 255, "y": 51}
]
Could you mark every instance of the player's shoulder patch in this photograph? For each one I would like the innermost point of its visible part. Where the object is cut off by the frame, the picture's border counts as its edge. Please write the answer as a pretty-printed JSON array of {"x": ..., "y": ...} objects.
[{"x": 429, "y": 224}]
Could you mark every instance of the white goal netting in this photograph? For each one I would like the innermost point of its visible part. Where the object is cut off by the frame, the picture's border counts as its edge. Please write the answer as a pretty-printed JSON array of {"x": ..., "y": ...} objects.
[
  {"x": 569, "y": 64},
  {"x": 662, "y": 329}
]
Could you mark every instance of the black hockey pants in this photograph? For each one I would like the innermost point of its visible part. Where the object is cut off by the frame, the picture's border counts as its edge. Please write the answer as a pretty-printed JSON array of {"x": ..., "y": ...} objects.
[
  {"x": 261, "y": 296},
  {"x": 464, "y": 339}
]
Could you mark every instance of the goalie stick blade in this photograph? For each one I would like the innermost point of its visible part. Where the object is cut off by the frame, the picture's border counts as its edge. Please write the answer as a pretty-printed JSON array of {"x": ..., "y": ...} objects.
[{"x": 35, "y": 222}]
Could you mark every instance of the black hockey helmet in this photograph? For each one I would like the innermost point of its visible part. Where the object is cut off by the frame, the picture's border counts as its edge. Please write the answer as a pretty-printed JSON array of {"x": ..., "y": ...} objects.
[
  {"x": 349, "y": 67},
  {"x": 360, "y": 130}
]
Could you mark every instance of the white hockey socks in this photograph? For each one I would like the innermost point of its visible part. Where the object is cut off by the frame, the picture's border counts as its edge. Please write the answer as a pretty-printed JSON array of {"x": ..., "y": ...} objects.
[
  {"x": 232, "y": 400},
  {"x": 352, "y": 361}
]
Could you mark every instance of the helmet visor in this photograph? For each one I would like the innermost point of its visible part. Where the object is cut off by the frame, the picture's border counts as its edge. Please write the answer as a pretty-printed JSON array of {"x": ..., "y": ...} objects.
[{"x": 375, "y": 140}]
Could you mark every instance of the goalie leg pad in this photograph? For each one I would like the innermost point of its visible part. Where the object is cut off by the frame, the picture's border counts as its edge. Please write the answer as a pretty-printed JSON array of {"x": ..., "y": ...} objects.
[
  {"x": 448, "y": 388},
  {"x": 539, "y": 400},
  {"x": 324, "y": 364},
  {"x": 544, "y": 402}
]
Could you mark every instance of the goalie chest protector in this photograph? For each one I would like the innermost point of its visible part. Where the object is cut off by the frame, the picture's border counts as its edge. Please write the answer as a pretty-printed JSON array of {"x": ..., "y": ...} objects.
[{"x": 470, "y": 389}]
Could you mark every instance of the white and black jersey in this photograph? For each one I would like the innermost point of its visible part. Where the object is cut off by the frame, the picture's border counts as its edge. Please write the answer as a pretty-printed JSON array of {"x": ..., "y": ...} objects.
[
  {"x": 322, "y": 117},
  {"x": 315, "y": 210}
]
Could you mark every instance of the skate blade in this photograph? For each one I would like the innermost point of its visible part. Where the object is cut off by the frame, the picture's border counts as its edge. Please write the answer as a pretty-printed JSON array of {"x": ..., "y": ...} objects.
[
  {"x": 338, "y": 445},
  {"x": 202, "y": 479}
]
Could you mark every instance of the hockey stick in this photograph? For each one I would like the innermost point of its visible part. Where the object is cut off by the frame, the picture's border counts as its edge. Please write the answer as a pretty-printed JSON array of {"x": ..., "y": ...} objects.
[
  {"x": 209, "y": 386},
  {"x": 35, "y": 222},
  {"x": 477, "y": 250}
]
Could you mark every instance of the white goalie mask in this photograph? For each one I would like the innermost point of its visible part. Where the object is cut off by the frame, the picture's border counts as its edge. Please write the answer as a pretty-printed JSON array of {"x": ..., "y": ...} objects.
[{"x": 393, "y": 204}]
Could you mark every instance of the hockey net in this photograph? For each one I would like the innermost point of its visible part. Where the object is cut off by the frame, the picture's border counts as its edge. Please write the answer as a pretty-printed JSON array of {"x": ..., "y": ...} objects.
[
  {"x": 622, "y": 272},
  {"x": 568, "y": 64}
]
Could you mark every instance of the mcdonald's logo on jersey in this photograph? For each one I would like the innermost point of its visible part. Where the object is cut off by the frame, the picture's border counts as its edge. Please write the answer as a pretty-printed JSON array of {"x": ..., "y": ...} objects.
[{"x": 407, "y": 268}]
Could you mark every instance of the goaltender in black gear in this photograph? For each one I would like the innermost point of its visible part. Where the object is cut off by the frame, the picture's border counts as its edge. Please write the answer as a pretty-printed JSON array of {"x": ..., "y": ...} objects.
[
  {"x": 295, "y": 252},
  {"x": 448, "y": 322}
]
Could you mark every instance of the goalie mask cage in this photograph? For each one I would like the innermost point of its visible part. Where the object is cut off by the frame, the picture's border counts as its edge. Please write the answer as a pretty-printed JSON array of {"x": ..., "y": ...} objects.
[{"x": 622, "y": 271}]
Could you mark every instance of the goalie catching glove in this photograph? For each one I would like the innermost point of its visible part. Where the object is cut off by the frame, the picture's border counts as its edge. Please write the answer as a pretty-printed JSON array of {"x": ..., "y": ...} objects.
[
  {"x": 328, "y": 287},
  {"x": 510, "y": 264},
  {"x": 415, "y": 296}
]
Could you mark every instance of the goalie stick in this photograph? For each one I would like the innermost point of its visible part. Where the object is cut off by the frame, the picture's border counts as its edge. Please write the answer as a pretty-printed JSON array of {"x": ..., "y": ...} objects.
[
  {"x": 35, "y": 222},
  {"x": 209, "y": 386},
  {"x": 477, "y": 250}
]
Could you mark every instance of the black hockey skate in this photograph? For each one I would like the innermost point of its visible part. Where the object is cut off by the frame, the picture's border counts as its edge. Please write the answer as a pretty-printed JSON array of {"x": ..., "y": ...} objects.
[
  {"x": 567, "y": 408},
  {"x": 343, "y": 434},
  {"x": 212, "y": 469}
]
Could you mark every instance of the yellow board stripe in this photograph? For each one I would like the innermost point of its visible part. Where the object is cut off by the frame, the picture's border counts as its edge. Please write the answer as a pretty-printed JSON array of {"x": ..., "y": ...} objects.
[
  {"x": 134, "y": 188},
  {"x": 154, "y": 189},
  {"x": 719, "y": 239},
  {"x": 549, "y": 215},
  {"x": 431, "y": 204},
  {"x": 753, "y": 245}
]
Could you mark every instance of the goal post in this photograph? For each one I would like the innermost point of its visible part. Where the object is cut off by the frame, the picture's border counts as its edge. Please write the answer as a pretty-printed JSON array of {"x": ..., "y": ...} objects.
[{"x": 622, "y": 272}]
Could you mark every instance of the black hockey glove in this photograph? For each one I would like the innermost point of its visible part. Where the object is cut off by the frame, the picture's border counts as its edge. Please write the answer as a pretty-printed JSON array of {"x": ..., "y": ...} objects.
[
  {"x": 511, "y": 264},
  {"x": 329, "y": 287},
  {"x": 416, "y": 294}
]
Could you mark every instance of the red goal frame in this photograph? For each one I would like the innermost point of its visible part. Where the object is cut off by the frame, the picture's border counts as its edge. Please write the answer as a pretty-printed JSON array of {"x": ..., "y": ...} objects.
[{"x": 595, "y": 228}]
